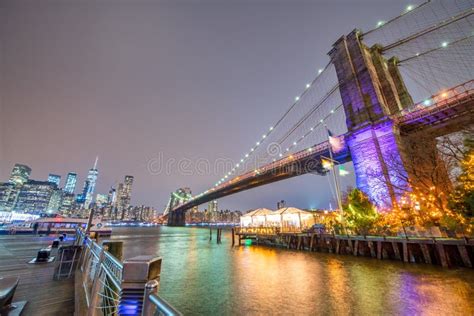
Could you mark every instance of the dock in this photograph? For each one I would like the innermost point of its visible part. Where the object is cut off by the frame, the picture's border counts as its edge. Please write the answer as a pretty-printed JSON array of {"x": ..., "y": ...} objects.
[
  {"x": 44, "y": 295},
  {"x": 446, "y": 252},
  {"x": 93, "y": 278}
]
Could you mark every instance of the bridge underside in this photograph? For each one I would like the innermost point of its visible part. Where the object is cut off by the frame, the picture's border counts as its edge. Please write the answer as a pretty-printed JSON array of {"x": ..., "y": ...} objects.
[
  {"x": 289, "y": 169},
  {"x": 450, "y": 116},
  {"x": 442, "y": 120}
]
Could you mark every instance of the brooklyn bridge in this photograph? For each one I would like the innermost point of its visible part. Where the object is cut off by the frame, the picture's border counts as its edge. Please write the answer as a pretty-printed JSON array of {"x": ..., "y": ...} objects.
[{"x": 384, "y": 97}]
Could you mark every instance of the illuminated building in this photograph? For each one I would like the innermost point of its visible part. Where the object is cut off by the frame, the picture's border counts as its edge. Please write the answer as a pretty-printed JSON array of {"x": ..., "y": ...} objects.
[
  {"x": 101, "y": 200},
  {"x": 123, "y": 197},
  {"x": 55, "y": 201},
  {"x": 89, "y": 187},
  {"x": 212, "y": 211},
  {"x": 118, "y": 194},
  {"x": 20, "y": 174},
  {"x": 212, "y": 206},
  {"x": 81, "y": 197},
  {"x": 67, "y": 203},
  {"x": 8, "y": 195},
  {"x": 34, "y": 196},
  {"x": 54, "y": 178},
  {"x": 127, "y": 192},
  {"x": 112, "y": 196},
  {"x": 71, "y": 180}
]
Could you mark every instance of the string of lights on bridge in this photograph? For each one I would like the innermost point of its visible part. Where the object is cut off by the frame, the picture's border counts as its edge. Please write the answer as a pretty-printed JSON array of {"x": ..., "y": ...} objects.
[
  {"x": 320, "y": 123},
  {"x": 407, "y": 10},
  {"x": 270, "y": 130},
  {"x": 244, "y": 157},
  {"x": 247, "y": 155},
  {"x": 443, "y": 45}
]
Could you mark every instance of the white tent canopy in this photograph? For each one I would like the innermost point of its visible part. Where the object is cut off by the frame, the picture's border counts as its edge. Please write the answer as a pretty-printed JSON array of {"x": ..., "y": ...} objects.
[
  {"x": 287, "y": 217},
  {"x": 255, "y": 218}
]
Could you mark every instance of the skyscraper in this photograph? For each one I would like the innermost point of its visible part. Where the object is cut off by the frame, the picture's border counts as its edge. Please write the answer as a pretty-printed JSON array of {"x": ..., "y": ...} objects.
[
  {"x": 212, "y": 211},
  {"x": 120, "y": 212},
  {"x": 71, "y": 180},
  {"x": 55, "y": 201},
  {"x": 127, "y": 191},
  {"x": 8, "y": 195},
  {"x": 20, "y": 174},
  {"x": 34, "y": 196},
  {"x": 67, "y": 203},
  {"x": 54, "y": 178},
  {"x": 81, "y": 197},
  {"x": 91, "y": 179},
  {"x": 101, "y": 200},
  {"x": 112, "y": 198},
  {"x": 123, "y": 196}
]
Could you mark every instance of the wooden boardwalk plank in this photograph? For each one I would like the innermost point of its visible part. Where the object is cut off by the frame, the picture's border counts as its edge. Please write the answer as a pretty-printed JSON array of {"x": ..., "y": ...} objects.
[{"x": 45, "y": 296}]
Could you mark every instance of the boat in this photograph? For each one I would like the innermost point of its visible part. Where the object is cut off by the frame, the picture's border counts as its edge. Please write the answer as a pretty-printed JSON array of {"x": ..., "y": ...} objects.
[{"x": 57, "y": 225}]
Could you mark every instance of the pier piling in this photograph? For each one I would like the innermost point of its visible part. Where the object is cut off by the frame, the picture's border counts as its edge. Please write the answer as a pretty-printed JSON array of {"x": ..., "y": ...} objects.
[{"x": 439, "y": 251}]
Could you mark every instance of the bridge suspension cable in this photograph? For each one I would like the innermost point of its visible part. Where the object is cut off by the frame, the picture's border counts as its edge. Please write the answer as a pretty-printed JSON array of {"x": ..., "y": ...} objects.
[
  {"x": 422, "y": 17},
  {"x": 298, "y": 109},
  {"x": 446, "y": 67},
  {"x": 284, "y": 141},
  {"x": 442, "y": 24},
  {"x": 303, "y": 119},
  {"x": 439, "y": 47},
  {"x": 419, "y": 55},
  {"x": 382, "y": 24},
  {"x": 429, "y": 40}
]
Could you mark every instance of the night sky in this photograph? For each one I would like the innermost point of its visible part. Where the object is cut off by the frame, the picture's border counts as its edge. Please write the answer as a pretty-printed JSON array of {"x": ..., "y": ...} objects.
[{"x": 131, "y": 81}]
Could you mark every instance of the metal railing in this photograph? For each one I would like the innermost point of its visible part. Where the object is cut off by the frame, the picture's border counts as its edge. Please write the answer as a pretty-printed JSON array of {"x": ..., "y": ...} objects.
[
  {"x": 438, "y": 102},
  {"x": 155, "y": 305},
  {"x": 113, "y": 268},
  {"x": 106, "y": 289}
]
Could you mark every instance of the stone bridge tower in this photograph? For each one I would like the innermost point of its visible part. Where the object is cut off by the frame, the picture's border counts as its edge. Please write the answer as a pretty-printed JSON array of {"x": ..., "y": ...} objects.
[{"x": 372, "y": 90}]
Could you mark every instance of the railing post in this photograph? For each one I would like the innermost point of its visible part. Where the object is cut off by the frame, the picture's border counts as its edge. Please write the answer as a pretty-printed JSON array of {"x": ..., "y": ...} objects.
[
  {"x": 115, "y": 248},
  {"x": 136, "y": 273},
  {"x": 96, "y": 283},
  {"x": 151, "y": 287}
]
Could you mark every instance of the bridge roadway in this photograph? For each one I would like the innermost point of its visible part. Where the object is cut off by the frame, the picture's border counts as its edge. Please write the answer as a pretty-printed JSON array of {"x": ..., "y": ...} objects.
[
  {"x": 448, "y": 112},
  {"x": 302, "y": 162},
  {"x": 452, "y": 109}
]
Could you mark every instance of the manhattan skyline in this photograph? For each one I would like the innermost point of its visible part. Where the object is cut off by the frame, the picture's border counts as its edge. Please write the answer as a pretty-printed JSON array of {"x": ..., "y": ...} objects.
[{"x": 128, "y": 83}]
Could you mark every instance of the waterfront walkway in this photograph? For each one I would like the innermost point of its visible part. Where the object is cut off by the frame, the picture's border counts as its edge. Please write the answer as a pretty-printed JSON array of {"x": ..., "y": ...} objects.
[{"x": 45, "y": 296}]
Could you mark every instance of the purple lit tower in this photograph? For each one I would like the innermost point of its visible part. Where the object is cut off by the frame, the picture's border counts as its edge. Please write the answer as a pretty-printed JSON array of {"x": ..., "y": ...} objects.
[{"x": 372, "y": 89}]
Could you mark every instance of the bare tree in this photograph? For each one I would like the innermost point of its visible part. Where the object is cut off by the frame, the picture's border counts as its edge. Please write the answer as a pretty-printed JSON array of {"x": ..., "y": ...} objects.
[{"x": 425, "y": 164}]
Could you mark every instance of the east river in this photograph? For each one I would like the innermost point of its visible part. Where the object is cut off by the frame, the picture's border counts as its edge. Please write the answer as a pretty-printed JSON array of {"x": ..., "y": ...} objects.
[{"x": 200, "y": 277}]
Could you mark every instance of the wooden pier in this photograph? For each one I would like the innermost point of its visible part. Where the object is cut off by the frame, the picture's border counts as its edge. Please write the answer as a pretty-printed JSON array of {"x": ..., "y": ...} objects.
[
  {"x": 446, "y": 252},
  {"x": 44, "y": 295},
  {"x": 93, "y": 279}
]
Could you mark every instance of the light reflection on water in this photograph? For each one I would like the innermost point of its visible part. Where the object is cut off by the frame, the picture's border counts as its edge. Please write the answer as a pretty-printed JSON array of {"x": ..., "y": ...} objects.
[{"x": 202, "y": 278}]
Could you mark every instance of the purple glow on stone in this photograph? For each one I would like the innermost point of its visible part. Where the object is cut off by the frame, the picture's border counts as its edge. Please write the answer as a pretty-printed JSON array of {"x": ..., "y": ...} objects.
[{"x": 368, "y": 165}]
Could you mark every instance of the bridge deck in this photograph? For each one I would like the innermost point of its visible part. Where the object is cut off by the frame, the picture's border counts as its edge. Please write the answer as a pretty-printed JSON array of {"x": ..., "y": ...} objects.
[
  {"x": 449, "y": 111},
  {"x": 45, "y": 296}
]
